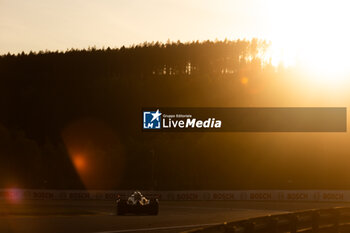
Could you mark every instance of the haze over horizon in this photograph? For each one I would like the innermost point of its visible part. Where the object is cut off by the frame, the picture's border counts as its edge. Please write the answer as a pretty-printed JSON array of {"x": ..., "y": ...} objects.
[{"x": 61, "y": 25}]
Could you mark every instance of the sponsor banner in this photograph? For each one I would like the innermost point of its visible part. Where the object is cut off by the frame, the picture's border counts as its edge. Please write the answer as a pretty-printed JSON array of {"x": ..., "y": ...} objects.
[
  {"x": 244, "y": 120},
  {"x": 224, "y": 195},
  {"x": 295, "y": 196},
  {"x": 206, "y": 195},
  {"x": 334, "y": 196},
  {"x": 261, "y": 195}
]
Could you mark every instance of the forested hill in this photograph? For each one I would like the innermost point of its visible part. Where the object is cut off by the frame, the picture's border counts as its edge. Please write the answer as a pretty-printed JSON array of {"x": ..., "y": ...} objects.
[
  {"x": 41, "y": 92},
  {"x": 140, "y": 61},
  {"x": 61, "y": 108}
]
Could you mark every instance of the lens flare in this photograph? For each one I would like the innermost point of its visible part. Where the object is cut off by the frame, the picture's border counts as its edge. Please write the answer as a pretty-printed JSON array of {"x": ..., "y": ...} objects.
[
  {"x": 14, "y": 195},
  {"x": 79, "y": 162},
  {"x": 96, "y": 153},
  {"x": 244, "y": 80}
]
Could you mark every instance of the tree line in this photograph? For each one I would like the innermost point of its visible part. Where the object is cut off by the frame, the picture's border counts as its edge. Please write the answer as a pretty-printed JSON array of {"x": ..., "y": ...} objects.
[{"x": 73, "y": 119}]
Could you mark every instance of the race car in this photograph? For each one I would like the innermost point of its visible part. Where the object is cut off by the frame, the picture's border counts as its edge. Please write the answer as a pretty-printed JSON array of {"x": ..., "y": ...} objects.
[{"x": 137, "y": 204}]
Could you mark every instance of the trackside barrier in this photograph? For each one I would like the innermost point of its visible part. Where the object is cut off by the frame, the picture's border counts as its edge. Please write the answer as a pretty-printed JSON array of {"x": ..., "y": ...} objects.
[
  {"x": 333, "y": 220},
  {"x": 215, "y": 195}
]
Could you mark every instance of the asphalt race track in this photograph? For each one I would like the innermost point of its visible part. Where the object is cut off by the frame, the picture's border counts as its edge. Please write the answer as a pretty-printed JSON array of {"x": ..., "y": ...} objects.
[{"x": 99, "y": 216}]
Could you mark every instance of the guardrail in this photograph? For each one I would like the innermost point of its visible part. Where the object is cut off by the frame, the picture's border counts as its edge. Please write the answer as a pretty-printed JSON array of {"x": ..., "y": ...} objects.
[
  {"x": 335, "y": 220},
  {"x": 188, "y": 195}
]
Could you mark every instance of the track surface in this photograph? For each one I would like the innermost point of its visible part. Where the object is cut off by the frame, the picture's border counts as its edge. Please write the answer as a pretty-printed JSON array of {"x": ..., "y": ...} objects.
[{"x": 99, "y": 216}]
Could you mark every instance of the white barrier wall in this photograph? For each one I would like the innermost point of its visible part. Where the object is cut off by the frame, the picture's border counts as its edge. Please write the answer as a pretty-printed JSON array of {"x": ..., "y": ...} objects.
[{"x": 244, "y": 195}]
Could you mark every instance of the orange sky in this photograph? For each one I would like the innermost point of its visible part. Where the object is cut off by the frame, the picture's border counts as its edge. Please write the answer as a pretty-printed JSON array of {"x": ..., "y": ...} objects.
[{"x": 297, "y": 28}]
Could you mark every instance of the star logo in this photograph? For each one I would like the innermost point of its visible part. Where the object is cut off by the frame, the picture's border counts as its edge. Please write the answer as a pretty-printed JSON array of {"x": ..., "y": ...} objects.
[
  {"x": 152, "y": 119},
  {"x": 156, "y": 115}
]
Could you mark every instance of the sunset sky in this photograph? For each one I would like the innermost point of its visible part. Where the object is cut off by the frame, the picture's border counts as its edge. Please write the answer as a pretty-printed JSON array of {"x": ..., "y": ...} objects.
[
  {"x": 39, "y": 25},
  {"x": 291, "y": 25}
]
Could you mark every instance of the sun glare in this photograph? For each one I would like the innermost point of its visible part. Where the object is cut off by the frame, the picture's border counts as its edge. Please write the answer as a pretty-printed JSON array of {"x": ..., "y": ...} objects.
[
  {"x": 79, "y": 162},
  {"x": 312, "y": 36}
]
